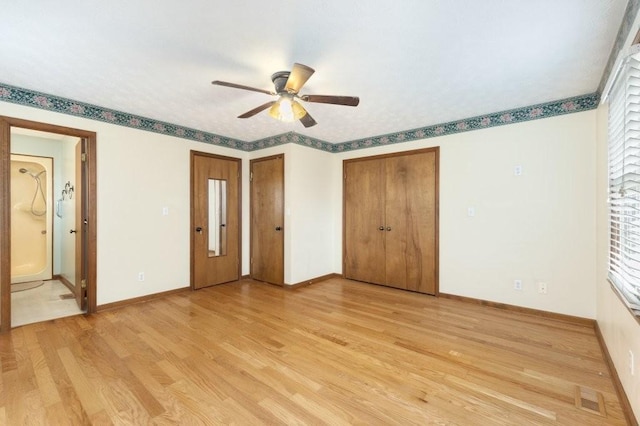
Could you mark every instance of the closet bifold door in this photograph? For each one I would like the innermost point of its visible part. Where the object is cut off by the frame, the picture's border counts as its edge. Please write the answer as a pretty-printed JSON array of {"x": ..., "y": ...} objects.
[
  {"x": 390, "y": 225},
  {"x": 364, "y": 230},
  {"x": 410, "y": 215}
]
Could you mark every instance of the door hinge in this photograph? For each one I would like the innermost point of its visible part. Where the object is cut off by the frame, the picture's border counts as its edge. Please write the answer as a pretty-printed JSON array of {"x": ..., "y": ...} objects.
[
  {"x": 251, "y": 177},
  {"x": 83, "y": 283},
  {"x": 83, "y": 157}
]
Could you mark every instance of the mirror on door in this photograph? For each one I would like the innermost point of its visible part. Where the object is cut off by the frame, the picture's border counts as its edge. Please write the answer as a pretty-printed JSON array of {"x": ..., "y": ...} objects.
[{"x": 217, "y": 217}]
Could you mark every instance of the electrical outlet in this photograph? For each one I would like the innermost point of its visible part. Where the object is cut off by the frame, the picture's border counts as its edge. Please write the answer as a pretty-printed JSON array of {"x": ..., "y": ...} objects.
[
  {"x": 140, "y": 276},
  {"x": 632, "y": 363},
  {"x": 542, "y": 288},
  {"x": 517, "y": 284}
]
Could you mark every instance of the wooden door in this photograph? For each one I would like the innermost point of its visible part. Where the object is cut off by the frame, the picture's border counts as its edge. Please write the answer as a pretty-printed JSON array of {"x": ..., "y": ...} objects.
[
  {"x": 215, "y": 219},
  {"x": 390, "y": 225},
  {"x": 410, "y": 213},
  {"x": 80, "y": 227},
  {"x": 267, "y": 219},
  {"x": 364, "y": 221}
]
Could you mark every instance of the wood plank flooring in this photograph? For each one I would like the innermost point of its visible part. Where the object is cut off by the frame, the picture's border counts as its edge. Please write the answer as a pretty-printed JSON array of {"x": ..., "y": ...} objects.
[{"x": 336, "y": 352}]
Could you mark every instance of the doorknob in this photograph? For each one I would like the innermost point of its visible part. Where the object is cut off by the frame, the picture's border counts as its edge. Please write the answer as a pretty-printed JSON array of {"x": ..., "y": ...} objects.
[
  {"x": 278, "y": 228},
  {"x": 223, "y": 225},
  {"x": 381, "y": 228},
  {"x": 199, "y": 230},
  {"x": 72, "y": 231},
  {"x": 388, "y": 228}
]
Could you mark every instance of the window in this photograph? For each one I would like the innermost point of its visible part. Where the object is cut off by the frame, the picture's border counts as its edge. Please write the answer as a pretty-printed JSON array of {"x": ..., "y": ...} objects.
[{"x": 624, "y": 182}]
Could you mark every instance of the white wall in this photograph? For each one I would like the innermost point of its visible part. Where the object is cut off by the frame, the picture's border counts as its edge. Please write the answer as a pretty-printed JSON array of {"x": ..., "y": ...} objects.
[
  {"x": 526, "y": 227},
  {"x": 310, "y": 212},
  {"x": 138, "y": 173},
  {"x": 309, "y": 206},
  {"x": 539, "y": 226}
]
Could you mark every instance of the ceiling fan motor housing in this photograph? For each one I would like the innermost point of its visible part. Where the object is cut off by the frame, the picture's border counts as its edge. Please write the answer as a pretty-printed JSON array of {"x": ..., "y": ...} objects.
[{"x": 280, "y": 80}]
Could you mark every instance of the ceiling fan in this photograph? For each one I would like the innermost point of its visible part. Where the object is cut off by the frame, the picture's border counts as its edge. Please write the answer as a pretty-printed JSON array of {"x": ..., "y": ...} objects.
[{"x": 287, "y": 87}]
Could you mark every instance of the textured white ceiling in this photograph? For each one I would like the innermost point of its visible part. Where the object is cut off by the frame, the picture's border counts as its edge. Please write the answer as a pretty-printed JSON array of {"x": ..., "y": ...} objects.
[{"x": 412, "y": 63}]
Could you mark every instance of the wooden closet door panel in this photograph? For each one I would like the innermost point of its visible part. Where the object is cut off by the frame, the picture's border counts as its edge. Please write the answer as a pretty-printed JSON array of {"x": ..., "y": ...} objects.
[
  {"x": 267, "y": 219},
  {"x": 411, "y": 222},
  {"x": 364, "y": 250}
]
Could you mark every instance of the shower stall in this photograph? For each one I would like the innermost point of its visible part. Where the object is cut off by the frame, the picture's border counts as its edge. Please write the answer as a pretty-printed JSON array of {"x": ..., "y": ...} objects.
[{"x": 31, "y": 218}]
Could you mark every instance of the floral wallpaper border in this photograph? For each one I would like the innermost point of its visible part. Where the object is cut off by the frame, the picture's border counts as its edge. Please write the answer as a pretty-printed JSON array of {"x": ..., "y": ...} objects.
[
  {"x": 519, "y": 115},
  {"x": 68, "y": 106},
  {"x": 54, "y": 103},
  {"x": 291, "y": 137}
]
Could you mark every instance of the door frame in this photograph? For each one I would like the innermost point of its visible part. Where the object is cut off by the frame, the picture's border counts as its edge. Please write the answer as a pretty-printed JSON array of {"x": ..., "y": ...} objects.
[
  {"x": 192, "y": 224},
  {"x": 436, "y": 150},
  {"x": 6, "y": 123}
]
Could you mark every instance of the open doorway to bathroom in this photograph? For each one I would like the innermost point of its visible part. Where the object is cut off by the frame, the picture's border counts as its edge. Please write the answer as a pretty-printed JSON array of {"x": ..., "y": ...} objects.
[{"x": 47, "y": 222}]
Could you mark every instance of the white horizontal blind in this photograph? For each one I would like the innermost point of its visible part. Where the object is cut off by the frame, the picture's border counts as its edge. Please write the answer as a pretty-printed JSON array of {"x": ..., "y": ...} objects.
[{"x": 624, "y": 183}]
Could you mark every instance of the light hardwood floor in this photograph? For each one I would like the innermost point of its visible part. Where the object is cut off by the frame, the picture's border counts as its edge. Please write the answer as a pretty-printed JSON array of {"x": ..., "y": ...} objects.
[{"x": 335, "y": 352}]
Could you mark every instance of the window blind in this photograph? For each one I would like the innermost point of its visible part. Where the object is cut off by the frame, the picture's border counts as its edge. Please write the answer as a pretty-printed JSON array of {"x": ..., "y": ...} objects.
[{"x": 624, "y": 182}]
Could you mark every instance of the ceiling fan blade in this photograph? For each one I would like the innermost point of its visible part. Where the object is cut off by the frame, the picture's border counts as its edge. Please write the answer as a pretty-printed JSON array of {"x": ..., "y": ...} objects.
[
  {"x": 257, "y": 110},
  {"x": 336, "y": 100},
  {"x": 298, "y": 77},
  {"x": 307, "y": 120},
  {"x": 240, "y": 86}
]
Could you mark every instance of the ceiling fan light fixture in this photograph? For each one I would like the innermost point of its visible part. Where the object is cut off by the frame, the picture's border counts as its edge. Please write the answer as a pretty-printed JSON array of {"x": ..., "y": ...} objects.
[
  {"x": 276, "y": 111},
  {"x": 298, "y": 110},
  {"x": 287, "y": 110}
]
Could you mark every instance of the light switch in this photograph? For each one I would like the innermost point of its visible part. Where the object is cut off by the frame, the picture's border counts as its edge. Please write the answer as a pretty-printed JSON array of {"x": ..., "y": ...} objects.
[
  {"x": 517, "y": 170},
  {"x": 471, "y": 211}
]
